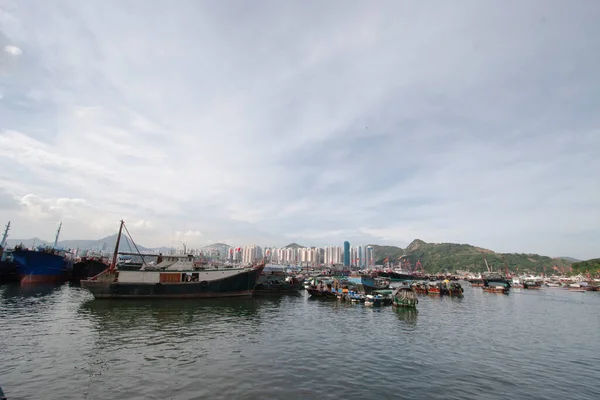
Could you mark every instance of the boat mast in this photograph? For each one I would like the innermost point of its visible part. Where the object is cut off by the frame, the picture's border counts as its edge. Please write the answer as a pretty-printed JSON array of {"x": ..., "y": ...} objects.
[
  {"x": 113, "y": 265},
  {"x": 486, "y": 264},
  {"x": 3, "y": 243},
  {"x": 57, "y": 233}
]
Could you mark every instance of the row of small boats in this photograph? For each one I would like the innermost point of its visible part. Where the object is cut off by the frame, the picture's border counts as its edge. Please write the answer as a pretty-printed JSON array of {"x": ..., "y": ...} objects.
[{"x": 405, "y": 295}]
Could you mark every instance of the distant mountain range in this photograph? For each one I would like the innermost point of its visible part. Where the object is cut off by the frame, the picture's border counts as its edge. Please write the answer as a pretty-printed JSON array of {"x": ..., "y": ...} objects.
[
  {"x": 434, "y": 257},
  {"x": 437, "y": 257},
  {"x": 104, "y": 244}
]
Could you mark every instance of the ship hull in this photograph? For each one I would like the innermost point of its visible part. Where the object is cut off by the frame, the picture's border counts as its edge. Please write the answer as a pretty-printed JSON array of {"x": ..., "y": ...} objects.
[
  {"x": 233, "y": 285},
  {"x": 41, "y": 267},
  {"x": 274, "y": 288},
  {"x": 400, "y": 277},
  {"x": 8, "y": 272},
  {"x": 87, "y": 269}
]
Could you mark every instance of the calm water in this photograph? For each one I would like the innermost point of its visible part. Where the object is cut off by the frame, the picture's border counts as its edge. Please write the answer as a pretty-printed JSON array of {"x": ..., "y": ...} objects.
[{"x": 58, "y": 343}]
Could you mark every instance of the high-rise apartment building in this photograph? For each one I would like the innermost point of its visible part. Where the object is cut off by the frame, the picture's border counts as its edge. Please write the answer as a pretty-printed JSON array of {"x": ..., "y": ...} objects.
[
  {"x": 347, "y": 254},
  {"x": 250, "y": 254},
  {"x": 333, "y": 255}
]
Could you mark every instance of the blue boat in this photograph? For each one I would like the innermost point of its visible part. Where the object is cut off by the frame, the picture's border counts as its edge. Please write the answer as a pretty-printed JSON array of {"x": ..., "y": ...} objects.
[
  {"x": 366, "y": 283},
  {"x": 42, "y": 265}
]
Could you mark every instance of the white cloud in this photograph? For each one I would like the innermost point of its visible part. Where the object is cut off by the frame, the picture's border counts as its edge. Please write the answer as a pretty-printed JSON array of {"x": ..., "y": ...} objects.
[
  {"x": 13, "y": 50},
  {"x": 384, "y": 124}
]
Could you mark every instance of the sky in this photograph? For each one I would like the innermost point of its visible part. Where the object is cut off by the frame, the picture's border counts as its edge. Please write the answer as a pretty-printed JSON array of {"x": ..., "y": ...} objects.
[{"x": 270, "y": 122}]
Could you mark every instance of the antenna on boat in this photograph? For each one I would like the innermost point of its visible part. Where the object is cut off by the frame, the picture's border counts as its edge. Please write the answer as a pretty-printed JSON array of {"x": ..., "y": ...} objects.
[
  {"x": 113, "y": 265},
  {"x": 57, "y": 234},
  {"x": 5, "y": 235}
]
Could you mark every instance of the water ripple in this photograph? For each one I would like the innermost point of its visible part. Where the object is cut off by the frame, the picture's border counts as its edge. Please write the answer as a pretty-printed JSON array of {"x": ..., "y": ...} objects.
[{"x": 60, "y": 344}]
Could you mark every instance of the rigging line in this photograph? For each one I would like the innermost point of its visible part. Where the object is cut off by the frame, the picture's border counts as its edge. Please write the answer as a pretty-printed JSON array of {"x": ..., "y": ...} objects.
[
  {"x": 135, "y": 245},
  {"x": 128, "y": 244}
]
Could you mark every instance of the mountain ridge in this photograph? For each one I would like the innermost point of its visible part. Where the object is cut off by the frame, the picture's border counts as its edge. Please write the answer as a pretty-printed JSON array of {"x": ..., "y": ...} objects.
[{"x": 437, "y": 257}]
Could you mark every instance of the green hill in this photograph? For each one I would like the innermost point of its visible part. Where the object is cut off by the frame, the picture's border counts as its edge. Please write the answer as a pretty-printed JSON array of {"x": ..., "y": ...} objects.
[
  {"x": 591, "y": 267},
  {"x": 438, "y": 257},
  {"x": 381, "y": 252}
]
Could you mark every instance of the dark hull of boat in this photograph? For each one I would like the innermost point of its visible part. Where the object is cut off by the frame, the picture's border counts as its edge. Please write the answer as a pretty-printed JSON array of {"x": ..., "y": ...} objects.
[
  {"x": 400, "y": 277},
  {"x": 87, "y": 269},
  {"x": 367, "y": 289},
  {"x": 321, "y": 293},
  {"x": 532, "y": 286},
  {"x": 274, "y": 288},
  {"x": 240, "y": 285},
  {"x": 8, "y": 272}
]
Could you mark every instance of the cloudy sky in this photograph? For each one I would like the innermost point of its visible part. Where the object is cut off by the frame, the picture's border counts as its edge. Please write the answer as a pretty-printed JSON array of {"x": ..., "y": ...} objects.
[{"x": 311, "y": 121}]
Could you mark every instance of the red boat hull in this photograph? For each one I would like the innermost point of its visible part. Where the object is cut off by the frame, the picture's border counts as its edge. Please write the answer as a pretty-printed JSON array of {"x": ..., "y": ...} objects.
[{"x": 41, "y": 279}]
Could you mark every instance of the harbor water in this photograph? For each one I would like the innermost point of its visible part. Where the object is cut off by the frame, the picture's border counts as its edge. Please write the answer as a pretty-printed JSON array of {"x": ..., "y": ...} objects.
[{"x": 58, "y": 343}]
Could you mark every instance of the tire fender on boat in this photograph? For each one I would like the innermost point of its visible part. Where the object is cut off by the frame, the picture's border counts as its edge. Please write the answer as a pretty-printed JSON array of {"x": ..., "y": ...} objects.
[
  {"x": 158, "y": 288},
  {"x": 204, "y": 284}
]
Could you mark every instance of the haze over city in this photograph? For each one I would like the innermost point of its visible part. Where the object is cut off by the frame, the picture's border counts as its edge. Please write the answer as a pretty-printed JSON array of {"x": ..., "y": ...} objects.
[{"x": 311, "y": 122}]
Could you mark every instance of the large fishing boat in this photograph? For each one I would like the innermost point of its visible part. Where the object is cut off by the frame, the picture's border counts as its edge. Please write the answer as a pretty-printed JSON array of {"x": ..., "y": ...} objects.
[
  {"x": 43, "y": 264},
  {"x": 173, "y": 276},
  {"x": 88, "y": 266},
  {"x": 494, "y": 282},
  {"x": 275, "y": 280}
]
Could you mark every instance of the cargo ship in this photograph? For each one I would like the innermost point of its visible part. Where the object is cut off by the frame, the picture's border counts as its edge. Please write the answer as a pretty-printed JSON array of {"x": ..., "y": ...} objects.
[
  {"x": 173, "y": 276},
  {"x": 43, "y": 264},
  {"x": 8, "y": 269}
]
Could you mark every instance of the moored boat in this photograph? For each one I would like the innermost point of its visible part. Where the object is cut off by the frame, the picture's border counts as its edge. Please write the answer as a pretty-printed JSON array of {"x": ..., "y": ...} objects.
[
  {"x": 8, "y": 269},
  {"x": 454, "y": 289},
  {"x": 274, "y": 280},
  {"x": 404, "y": 296},
  {"x": 419, "y": 287},
  {"x": 532, "y": 284},
  {"x": 400, "y": 274},
  {"x": 43, "y": 264},
  {"x": 88, "y": 266},
  {"x": 366, "y": 283},
  {"x": 173, "y": 277},
  {"x": 495, "y": 283},
  {"x": 379, "y": 298},
  {"x": 434, "y": 288}
]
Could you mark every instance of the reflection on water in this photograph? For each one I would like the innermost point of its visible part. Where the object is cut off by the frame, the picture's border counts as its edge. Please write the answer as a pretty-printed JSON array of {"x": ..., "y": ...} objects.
[
  {"x": 16, "y": 292},
  {"x": 58, "y": 343},
  {"x": 405, "y": 314}
]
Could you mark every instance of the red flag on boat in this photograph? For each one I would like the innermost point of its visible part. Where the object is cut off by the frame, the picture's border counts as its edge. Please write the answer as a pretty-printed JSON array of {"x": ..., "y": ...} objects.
[{"x": 386, "y": 259}]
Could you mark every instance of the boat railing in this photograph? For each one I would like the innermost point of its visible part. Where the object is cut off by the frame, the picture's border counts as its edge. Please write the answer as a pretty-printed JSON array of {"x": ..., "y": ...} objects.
[{"x": 100, "y": 275}]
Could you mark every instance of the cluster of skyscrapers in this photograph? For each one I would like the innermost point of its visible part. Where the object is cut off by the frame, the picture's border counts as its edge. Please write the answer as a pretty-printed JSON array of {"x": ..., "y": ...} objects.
[{"x": 346, "y": 256}]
